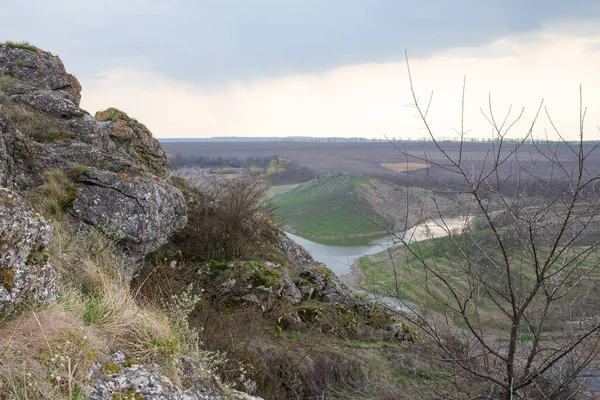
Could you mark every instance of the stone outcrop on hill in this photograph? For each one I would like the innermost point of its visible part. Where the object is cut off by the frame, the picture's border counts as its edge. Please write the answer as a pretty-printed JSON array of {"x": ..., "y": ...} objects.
[
  {"x": 134, "y": 140},
  {"x": 118, "y": 164},
  {"x": 317, "y": 278},
  {"x": 25, "y": 274},
  {"x": 42, "y": 69}
]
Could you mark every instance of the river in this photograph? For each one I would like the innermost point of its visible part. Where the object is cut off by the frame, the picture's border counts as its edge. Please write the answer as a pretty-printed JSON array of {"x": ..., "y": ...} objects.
[{"x": 340, "y": 254}]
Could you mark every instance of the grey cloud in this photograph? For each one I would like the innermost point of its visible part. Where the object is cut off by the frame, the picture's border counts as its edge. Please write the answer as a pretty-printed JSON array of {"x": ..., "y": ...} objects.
[{"x": 218, "y": 40}]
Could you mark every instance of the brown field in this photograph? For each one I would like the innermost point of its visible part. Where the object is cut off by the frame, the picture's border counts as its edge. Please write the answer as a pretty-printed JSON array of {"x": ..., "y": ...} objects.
[
  {"x": 403, "y": 167},
  {"x": 367, "y": 158}
]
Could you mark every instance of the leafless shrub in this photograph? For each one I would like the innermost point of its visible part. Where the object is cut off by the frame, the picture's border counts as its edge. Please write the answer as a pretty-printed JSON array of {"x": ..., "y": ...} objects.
[{"x": 227, "y": 218}]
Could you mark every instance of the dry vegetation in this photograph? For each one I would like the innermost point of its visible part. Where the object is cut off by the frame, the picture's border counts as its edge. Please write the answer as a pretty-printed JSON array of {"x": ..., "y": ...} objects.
[
  {"x": 47, "y": 350},
  {"x": 227, "y": 219},
  {"x": 37, "y": 126}
]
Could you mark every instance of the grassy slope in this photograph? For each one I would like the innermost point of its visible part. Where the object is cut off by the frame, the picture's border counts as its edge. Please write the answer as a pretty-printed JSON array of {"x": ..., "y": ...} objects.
[
  {"x": 419, "y": 287},
  {"x": 320, "y": 207}
]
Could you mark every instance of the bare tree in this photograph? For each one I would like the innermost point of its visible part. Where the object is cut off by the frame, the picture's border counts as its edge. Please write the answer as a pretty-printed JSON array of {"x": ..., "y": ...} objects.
[{"x": 515, "y": 283}]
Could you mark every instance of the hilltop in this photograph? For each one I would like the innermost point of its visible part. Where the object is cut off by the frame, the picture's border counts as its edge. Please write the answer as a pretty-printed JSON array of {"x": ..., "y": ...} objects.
[{"x": 344, "y": 205}]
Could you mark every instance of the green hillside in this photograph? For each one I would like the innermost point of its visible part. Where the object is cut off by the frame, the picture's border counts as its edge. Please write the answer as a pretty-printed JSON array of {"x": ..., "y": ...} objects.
[{"x": 328, "y": 206}]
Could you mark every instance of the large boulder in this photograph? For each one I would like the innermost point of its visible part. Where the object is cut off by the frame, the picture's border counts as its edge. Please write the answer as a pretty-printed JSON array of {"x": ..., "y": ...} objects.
[
  {"x": 134, "y": 139},
  {"x": 43, "y": 69},
  {"x": 144, "y": 209},
  {"x": 25, "y": 274}
]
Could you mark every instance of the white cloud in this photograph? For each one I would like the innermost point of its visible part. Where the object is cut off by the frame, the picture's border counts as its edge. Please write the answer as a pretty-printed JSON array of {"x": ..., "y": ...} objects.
[{"x": 370, "y": 100}]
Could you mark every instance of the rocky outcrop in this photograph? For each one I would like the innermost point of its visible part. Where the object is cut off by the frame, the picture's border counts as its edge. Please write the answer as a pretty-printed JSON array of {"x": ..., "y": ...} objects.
[
  {"x": 43, "y": 69},
  {"x": 116, "y": 165},
  {"x": 323, "y": 283},
  {"x": 25, "y": 274},
  {"x": 58, "y": 105},
  {"x": 295, "y": 253},
  {"x": 261, "y": 283},
  {"x": 134, "y": 139},
  {"x": 5, "y": 161},
  {"x": 125, "y": 379},
  {"x": 145, "y": 210},
  {"x": 317, "y": 280}
]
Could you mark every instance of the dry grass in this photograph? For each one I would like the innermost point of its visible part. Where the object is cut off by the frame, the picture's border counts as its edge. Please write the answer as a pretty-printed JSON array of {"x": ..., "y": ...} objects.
[
  {"x": 38, "y": 126},
  {"x": 46, "y": 353},
  {"x": 404, "y": 167}
]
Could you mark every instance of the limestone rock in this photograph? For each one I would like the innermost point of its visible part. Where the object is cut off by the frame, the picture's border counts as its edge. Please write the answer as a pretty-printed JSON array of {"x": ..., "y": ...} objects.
[
  {"x": 295, "y": 253},
  {"x": 125, "y": 379},
  {"x": 290, "y": 290},
  {"x": 66, "y": 114},
  {"x": 318, "y": 279},
  {"x": 25, "y": 273},
  {"x": 328, "y": 286},
  {"x": 39, "y": 68},
  {"x": 256, "y": 282},
  {"x": 134, "y": 139},
  {"x": 146, "y": 210},
  {"x": 114, "y": 162},
  {"x": 5, "y": 161}
]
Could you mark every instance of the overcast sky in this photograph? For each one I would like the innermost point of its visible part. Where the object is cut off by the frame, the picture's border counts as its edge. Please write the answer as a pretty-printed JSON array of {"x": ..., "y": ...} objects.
[{"x": 321, "y": 67}]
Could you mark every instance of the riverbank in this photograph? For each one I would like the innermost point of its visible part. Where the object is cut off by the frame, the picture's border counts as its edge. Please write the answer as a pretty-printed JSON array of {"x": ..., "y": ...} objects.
[{"x": 354, "y": 277}]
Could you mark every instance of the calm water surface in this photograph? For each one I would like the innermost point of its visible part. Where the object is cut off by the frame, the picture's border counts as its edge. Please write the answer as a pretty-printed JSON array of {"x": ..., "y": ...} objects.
[{"x": 339, "y": 254}]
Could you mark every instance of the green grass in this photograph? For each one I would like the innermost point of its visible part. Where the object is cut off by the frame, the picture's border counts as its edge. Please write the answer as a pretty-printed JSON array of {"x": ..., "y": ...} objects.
[
  {"x": 327, "y": 207},
  {"x": 413, "y": 282},
  {"x": 20, "y": 45}
]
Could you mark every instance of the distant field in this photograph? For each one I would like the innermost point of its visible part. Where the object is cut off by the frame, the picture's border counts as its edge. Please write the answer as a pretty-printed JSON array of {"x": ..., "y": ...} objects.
[
  {"x": 415, "y": 284},
  {"x": 367, "y": 158}
]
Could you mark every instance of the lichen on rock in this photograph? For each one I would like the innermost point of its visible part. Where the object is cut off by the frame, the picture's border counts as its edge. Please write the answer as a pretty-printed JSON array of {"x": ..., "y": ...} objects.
[
  {"x": 41, "y": 68},
  {"x": 146, "y": 210},
  {"x": 125, "y": 380},
  {"x": 25, "y": 273},
  {"x": 134, "y": 139}
]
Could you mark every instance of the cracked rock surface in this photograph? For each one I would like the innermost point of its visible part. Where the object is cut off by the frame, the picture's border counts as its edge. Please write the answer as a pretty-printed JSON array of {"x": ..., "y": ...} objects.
[{"x": 146, "y": 210}]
